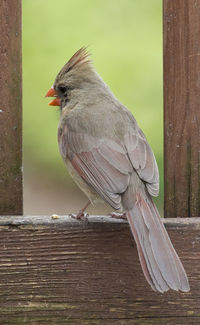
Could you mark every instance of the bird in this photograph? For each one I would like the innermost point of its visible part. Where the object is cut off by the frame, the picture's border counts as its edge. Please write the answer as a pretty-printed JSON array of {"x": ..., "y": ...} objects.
[{"x": 108, "y": 156}]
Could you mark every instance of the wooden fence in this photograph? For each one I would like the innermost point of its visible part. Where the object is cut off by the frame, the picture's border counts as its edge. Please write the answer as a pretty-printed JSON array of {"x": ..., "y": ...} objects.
[{"x": 68, "y": 272}]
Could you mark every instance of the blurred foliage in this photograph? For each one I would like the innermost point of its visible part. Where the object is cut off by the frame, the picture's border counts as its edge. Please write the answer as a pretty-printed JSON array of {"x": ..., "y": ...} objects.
[{"x": 125, "y": 39}]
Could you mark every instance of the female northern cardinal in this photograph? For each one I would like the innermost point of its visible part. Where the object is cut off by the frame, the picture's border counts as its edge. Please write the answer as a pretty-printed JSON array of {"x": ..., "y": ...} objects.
[{"x": 109, "y": 157}]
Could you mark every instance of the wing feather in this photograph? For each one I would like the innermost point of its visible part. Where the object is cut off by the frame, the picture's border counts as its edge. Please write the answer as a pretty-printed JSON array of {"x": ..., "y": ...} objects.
[
  {"x": 103, "y": 164},
  {"x": 143, "y": 160},
  {"x": 106, "y": 164}
]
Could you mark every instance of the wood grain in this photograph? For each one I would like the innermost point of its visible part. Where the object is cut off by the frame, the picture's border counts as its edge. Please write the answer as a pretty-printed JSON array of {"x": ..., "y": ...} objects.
[
  {"x": 89, "y": 273},
  {"x": 181, "y": 107},
  {"x": 10, "y": 108}
]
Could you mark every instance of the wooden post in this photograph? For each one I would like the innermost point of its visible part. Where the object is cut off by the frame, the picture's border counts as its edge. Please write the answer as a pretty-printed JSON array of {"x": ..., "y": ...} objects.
[
  {"x": 10, "y": 108},
  {"x": 181, "y": 20}
]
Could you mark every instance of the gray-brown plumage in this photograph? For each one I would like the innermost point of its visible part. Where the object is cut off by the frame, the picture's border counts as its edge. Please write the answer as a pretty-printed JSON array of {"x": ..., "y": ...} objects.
[{"x": 108, "y": 156}]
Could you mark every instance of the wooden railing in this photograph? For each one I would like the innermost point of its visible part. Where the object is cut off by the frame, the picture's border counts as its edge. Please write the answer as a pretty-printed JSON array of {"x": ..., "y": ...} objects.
[{"x": 61, "y": 271}]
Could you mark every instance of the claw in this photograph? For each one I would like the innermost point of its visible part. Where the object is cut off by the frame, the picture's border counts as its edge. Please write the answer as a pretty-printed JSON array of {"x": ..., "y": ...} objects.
[
  {"x": 80, "y": 216},
  {"x": 118, "y": 215}
]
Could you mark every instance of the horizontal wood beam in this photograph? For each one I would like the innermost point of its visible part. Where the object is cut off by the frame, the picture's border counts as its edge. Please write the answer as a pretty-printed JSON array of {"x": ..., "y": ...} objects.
[
  {"x": 63, "y": 271},
  {"x": 68, "y": 221}
]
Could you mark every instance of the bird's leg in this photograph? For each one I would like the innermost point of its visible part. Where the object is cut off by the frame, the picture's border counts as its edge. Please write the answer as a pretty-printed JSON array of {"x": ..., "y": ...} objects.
[
  {"x": 81, "y": 214},
  {"x": 118, "y": 215}
]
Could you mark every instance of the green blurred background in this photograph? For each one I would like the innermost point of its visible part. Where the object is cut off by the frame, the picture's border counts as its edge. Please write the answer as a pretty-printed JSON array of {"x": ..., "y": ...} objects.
[{"x": 125, "y": 39}]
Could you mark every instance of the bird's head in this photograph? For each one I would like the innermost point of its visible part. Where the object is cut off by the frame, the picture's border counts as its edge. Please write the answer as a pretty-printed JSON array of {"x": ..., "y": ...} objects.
[{"x": 76, "y": 75}]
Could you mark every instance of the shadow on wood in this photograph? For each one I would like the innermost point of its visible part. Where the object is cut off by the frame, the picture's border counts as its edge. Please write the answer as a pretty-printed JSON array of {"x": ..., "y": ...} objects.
[{"x": 89, "y": 273}]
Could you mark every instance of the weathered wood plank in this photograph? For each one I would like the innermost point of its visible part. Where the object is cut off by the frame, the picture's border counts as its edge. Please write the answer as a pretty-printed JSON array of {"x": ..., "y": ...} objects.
[
  {"x": 181, "y": 107},
  {"x": 89, "y": 273},
  {"x": 68, "y": 221},
  {"x": 10, "y": 108}
]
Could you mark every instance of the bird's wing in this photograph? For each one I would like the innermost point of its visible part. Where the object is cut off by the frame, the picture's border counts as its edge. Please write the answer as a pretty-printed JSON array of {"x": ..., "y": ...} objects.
[
  {"x": 143, "y": 160},
  {"x": 102, "y": 163}
]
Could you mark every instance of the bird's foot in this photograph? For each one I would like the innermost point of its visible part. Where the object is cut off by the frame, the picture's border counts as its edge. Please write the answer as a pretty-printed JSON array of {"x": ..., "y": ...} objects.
[
  {"x": 118, "y": 215},
  {"x": 80, "y": 216}
]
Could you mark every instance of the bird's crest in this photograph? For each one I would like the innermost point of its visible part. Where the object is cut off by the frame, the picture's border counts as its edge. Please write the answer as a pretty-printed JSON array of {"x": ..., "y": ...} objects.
[{"x": 81, "y": 57}]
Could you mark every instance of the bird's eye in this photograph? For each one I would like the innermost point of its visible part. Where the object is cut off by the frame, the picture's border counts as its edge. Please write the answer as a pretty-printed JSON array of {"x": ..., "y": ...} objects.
[{"x": 62, "y": 89}]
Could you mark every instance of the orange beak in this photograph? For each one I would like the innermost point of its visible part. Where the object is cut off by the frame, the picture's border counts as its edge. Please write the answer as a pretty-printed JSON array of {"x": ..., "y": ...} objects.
[
  {"x": 52, "y": 93},
  {"x": 55, "y": 102}
]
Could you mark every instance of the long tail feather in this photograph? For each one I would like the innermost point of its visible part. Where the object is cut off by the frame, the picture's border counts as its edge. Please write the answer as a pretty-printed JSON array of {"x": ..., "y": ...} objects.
[{"x": 160, "y": 263}]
